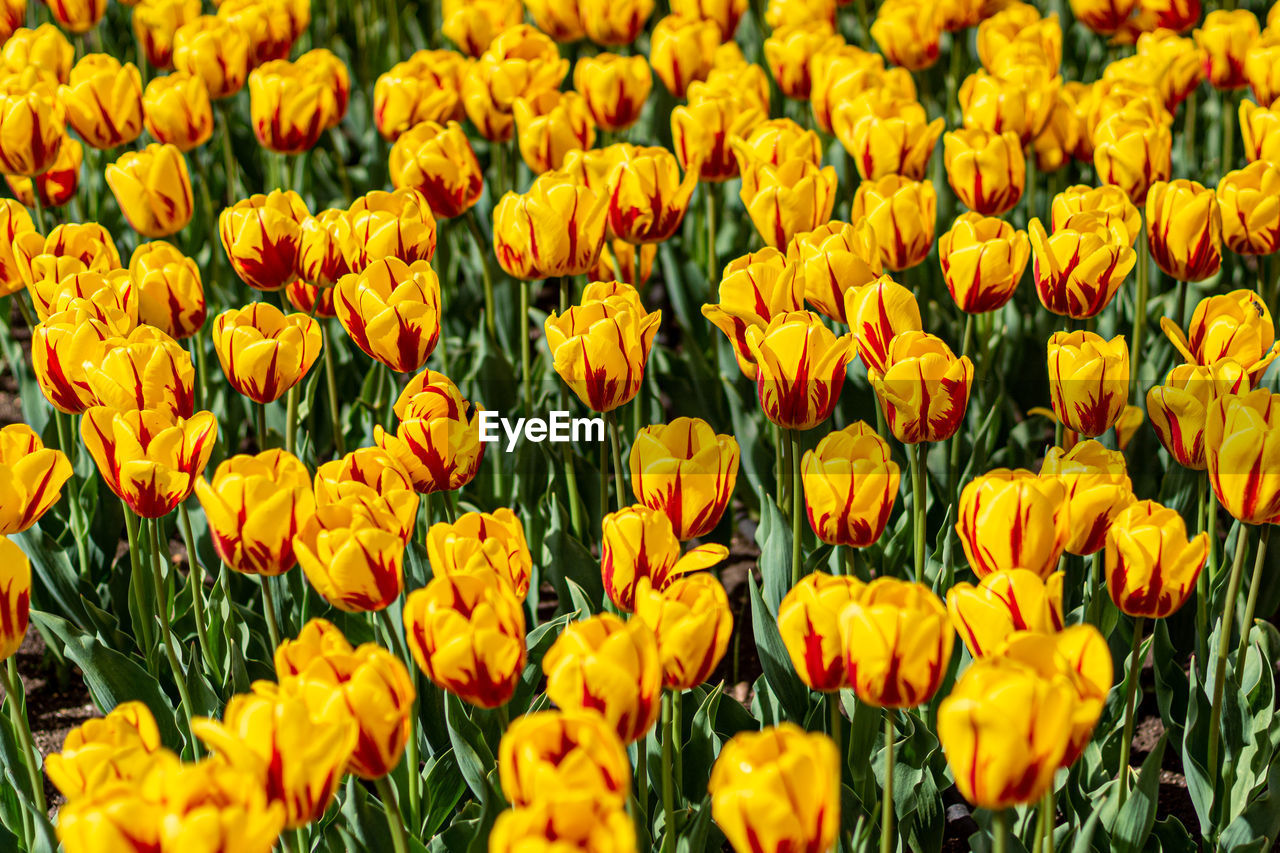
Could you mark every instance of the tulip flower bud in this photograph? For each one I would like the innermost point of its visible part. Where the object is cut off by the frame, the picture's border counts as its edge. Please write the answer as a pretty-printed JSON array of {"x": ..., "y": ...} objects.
[
  {"x": 370, "y": 476},
  {"x": 681, "y": 51},
  {"x": 1242, "y": 444},
  {"x": 850, "y": 483},
  {"x": 481, "y": 542},
  {"x": 1098, "y": 488},
  {"x": 786, "y": 200},
  {"x": 1081, "y": 266},
  {"x": 392, "y": 312},
  {"x": 153, "y": 189},
  {"x": 384, "y": 225},
  {"x": 1003, "y": 603},
  {"x": 692, "y": 621},
  {"x": 1057, "y": 142},
  {"x": 120, "y": 747},
  {"x": 1224, "y": 40},
  {"x": 529, "y": 230},
  {"x": 549, "y": 125},
  {"x": 800, "y": 368},
  {"x": 15, "y": 225},
  {"x": 1104, "y": 17},
  {"x": 156, "y": 22},
  {"x": 350, "y": 557},
  {"x": 1174, "y": 62},
  {"x": 1178, "y": 409},
  {"x": 1088, "y": 380},
  {"x": 438, "y": 439},
  {"x": 1105, "y": 199},
  {"x": 289, "y": 107},
  {"x": 610, "y": 666},
  {"x": 426, "y": 87},
  {"x": 31, "y": 479},
  {"x": 63, "y": 284},
  {"x": 785, "y": 13},
  {"x": 685, "y": 471},
  {"x": 788, "y": 52},
  {"x": 1016, "y": 28},
  {"x": 897, "y": 640},
  {"x": 876, "y": 313},
  {"x": 44, "y": 49},
  {"x": 58, "y": 184},
  {"x": 177, "y": 110},
  {"x": 77, "y": 16},
  {"x": 215, "y": 50},
  {"x": 809, "y": 624},
  {"x": 923, "y": 389},
  {"x": 615, "y": 88},
  {"x": 614, "y": 22},
  {"x": 1249, "y": 201},
  {"x": 600, "y": 349},
  {"x": 640, "y": 545},
  {"x": 146, "y": 370},
  {"x": 987, "y": 171},
  {"x": 753, "y": 290},
  {"x": 725, "y": 13},
  {"x": 104, "y": 101},
  {"x": 1235, "y": 325},
  {"x": 1014, "y": 519},
  {"x": 15, "y": 593},
  {"x": 322, "y": 66},
  {"x": 1151, "y": 566},
  {"x": 886, "y": 134},
  {"x": 703, "y": 134},
  {"x": 149, "y": 458},
  {"x": 170, "y": 294},
  {"x": 775, "y": 789},
  {"x": 997, "y": 105},
  {"x": 438, "y": 162},
  {"x": 473, "y": 26},
  {"x": 590, "y": 824},
  {"x": 299, "y": 748},
  {"x": 322, "y": 262},
  {"x": 843, "y": 72},
  {"x": 982, "y": 262},
  {"x": 647, "y": 199},
  {"x": 261, "y": 235},
  {"x": 520, "y": 63},
  {"x": 32, "y": 124},
  {"x": 372, "y": 682},
  {"x": 1132, "y": 153},
  {"x": 61, "y": 347},
  {"x": 902, "y": 213},
  {"x": 1184, "y": 229},
  {"x": 907, "y": 32},
  {"x": 272, "y": 27},
  {"x": 263, "y": 351},
  {"x": 569, "y": 756},
  {"x": 833, "y": 261},
  {"x": 1260, "y": 129},
  {"x": 256, "y": 505}
]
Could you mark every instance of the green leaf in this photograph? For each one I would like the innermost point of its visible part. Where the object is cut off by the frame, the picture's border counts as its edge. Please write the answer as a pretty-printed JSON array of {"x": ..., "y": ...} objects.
[
  {"x": 1134, "y": 821},
  {"x": 774, "y": 659},
  {"x": 445, "y": 787},
  {"x": 474, "y": 757},
  {"x": 774, "y": 537}
]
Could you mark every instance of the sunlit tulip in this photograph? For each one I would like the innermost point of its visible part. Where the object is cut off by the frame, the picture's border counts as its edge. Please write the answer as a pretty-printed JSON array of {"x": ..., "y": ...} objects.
[
  {"x": 170, "y": 295},
  {"x": 647, "y": 198},
  {"x": 886, "y": 134},
  {"x": 44, "y": 263},
  {"x": 788, "y": 52},
  {"x": 32, "y": 124},
  {"x": 692, "y": 621},
  {"x": 549, "y": 125},
  {"x": 876, "y": 313},
  {"x": 1016, "y": 28},
  {"x": 897, "y": 641},
  {"x": 783, "y": 13},
  {"x": 1103, "y": 16},
  {"x": 15, "y": 595},
  {"x": 77, "y": 16},
  {"x": 786, "y": 200},
  {"x": 686, "y": 471},
  {"x": 215, "y": 50},
  {"x": 1057, "y": 142},
  {"x": 261, "y": 236},
  {"x": 809, "y": 625},
  {"x": 150, "y": 459},
  {"x": 1098, "y": 488},
  {"x": 1184, "y": 229},
  {"x": 725, "y": 13},
  {"x": 425, "y": 87},
  {"x": 104, "y": 101},
  {"x": 370, "y": 477},
  {"x": 44, "y": 48},
  {"x": 530, "y": 237},
  {"x": 703, "y": 133},
  {"x": 263, "y": 351},
  {"x": 1105, "y": 199},
  {"x": 289, "y": 108},
  {"x": 272, "y": 27},
  {"x": 299, "y": 748},
  {"x": 31, "y": 478},
  {"x": 850, "y": 483},
  {"x": 681, "y": 51},
  {"x": 1088, "y": 380},
  {"x": 153, "y": 189},
  {"x": 639, "y": 546},
  {"x": 842, "y": 72},
  {"x": 1176, "y": 62},
  {"x": 907, "y": 32},
  {"x": 832, "y": 261},
  {"x": 1261, "y": 61},
  {"x": 754, "y": 289},
  {"x": 923, "y": 389},
  {"x": 1079, "y": 268},
  {"x": 982, "y": 262},
  {"x": 519, "y": 63},
  {"x": 1178, "y": 408},
  {"x": 1249, "y": 202},
  {"x": 438, "y": 438},
  {"x": 800, "y": 368},
  {"x": 625, "y": 262},
  {"x": 998, "y": 105},
  {"x": 571, "y": 756},
  {"x": 350, "y": 558},
  {"x": 58, "y": 184},
  {"x": 479, "y": 543},
  {"x": 559, "y": 19},
  {"x": 600, "y": 349},
  {"x": 775, "y": 790},
  {"x": 15, "y": 223},
  {"x": 385, "y": 225},
  {"x": 1242, "y": 445},
  {"x": 473, "y": 25},
  {"x": 604, "y": 664},
  {"x": 119, "y": 747},
  {"x": 61, "y": 347},
  {"x": 374, "y": 684},
  {"x": 146, "y": 370},
  {"x": 323, "y": 66},
  {"x": 902, "y": 213},
  {"x": 177, "y": 110},
  {"x": 1132, "y": 153},
  {"x": 987, "y": 171},
  {"x": 614, "y": 22},
  {"x": 392, "y": 311},
  {"x": 1235, "y": 325},
  {"x": 438, "y": 162},
  {"x": 322, "y": 261},
  {"x": 155, "y": 22},
  {"x": 553, "y": 823},
  {"x": 1150, "y": 564},
  {"x": 590, "y": 169},
  {"x": 1224, "y": 39},
  {"x": 1004, "y": 602},
  {"x": 615, "y": 88},
  {"x": 1012, "y": 519}
]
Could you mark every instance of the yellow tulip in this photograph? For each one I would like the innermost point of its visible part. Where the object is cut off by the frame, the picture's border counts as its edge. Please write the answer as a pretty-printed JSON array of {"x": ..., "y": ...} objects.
[
  {"x": 156, "y": 22},
  {"x": 1151, "y": 566},
  {"x": 481, "y": 542},
  {"x": 907, "y": 32},
  {"x": 392, "y": 312},
  {"x": 876, "y": 313},
  {"x": 1249, "y": 200},
  {"x": 1132, "y": 152},
  {"x": 1260, "y": 129},
  {"x": 263, "y": 351},
  {"x": 322, "y": 261},
  {"x": 473, "y": 26},
  {"x": 692, "y": 621},
  {"x": 120, "y": 747},
  {"x": 1098, "y": 488},
  {"x": 800, "y": 368},
  {"x": 1179, "y": 408},
  {"x": 369, "y": 476},
  {"x": 902, "y": 213},
  {"x": 647, "y": 198},
  {"x": 982, "y": 259},
  {"x": 681, "y": 50},
  {"x": 1224, "y": 38},
  {"x": 923, "y": 389},
  {"x": 549, "y": 824},
  {"x": 1014, "y": 519},
  {"x": 289, "y": 107},
  {"x": 529, "y": 231},
  {"x": 272, "y": 27},
  {"x": 177, "y": 110},
  {"x": 898, "y": 641},
  {"x": 438, "y": 439},
  {"x": 1088, "y": 380},
  {"x": 350, "y": 557},
  {"x": 1235, "y": 325},
  {"x": 1003, "y": 603},
  {"x": 615, "y": 88},
  {"x": 725, "y": 13},
  {"x": 685, "y": 471},
  {"x": 753, "y": 290},
  {"x": 15, "y": 224},
  {"x": 614, "y": 22},
  {"x": 215, "y": 50},
  {"x": 639, "y": 545},
  {"x": 153, "y": 189},
  {"x": 704, "y": 132},
  {"x": 842, "y": 72},
  {"x": 438, "y": 162},
  {"x": 789, "y": 50},
  {"x": 520, "y": 62},
  {"x": 425, "y": 87},
  {"x": 1242, "y": 442},
  {"x": 261, "y": 236},
  {"x": 1184, "y": 229},
  {"x": 559, "y": 19},
  {"x": 396, "y": 224},
  {"x": 104, "y": 101},
  {"x": 549, "y": 125},
  {"x": 44, "y": 49},
  {"x": 810, "y": 627},
  {"x": 15, "y": 592},
  {"x": 886, "y": 134},
  {"x": 32, "y": 124},
  {"x": 1104, "y": 199},
  {"x": 170, "y": 294},
  {"x": 1079, "y": 268},
  {"x": 986, "y": 170},
  {"x": 146, "y": 370},
  {"x": 562, "y": 756},
  {"x": 786, "y": 200},
  {"x": 850, "y": 483}
]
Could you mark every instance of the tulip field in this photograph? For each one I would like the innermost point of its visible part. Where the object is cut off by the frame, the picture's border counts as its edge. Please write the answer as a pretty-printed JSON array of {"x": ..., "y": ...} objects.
[{"x": 533, "y": 426}]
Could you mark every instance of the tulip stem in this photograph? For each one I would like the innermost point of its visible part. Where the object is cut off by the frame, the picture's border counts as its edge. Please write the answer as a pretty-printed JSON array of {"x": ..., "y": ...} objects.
[
  {"x": 486, "y": 274},
  {"x": 1251, "y": 604},
  {"x": 166, "y": 632},
  {"x": 1139, "y": 316},
  {"x": 710, "y": 191},
  {"x": 918, "y": 456},
  {"x": 395, "y": 821},
  {"x": 1000, "y": 831},
  {"x": 18, "y": 716},
  {"x": 137, "y": 581},
  {"x": 616, "y": 442},
  {"x": 38, "y": 205},
  {"x": 269, "y": 608},
  {"x": 1131, "y": 694},
  {"x": 261, "y": 423},
  {"x": 886, "y": 800},
  {"x": 1228, "y": 120},
  {"x": 953, "y": 475},
  {"x": 1224, "y": 644},
  {"x": 642, "y": 782},
  {"x": 411, "y": 745},
  {"x": 1094, "y": 616},
  {"x": 1049, "y": 810},
  {"x": 228, "y": 157},
  {"x": 836, "y": 724},
  {"x": 525, "y": 361},
  {"x": 79, "y": 528},
  {"x": 195, "y": 577},
  {"x": 331, "y": 388},
  {"x": 668, "y": 781},
  {"x": 797, "y": 509},
  {"x": 291, "y": 421},
  {"x": 1202, "y": 582}
]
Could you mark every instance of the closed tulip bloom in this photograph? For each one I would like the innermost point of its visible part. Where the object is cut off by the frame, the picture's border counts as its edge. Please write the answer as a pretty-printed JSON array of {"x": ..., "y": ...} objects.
[
  {"x": 438, "y": 162},
  {"x": 801, "y": 368},
  {"x": 1103, "y": 199},
  {"x": 639, "y": 546},
  {"x": 902, "y": 212},
  {"x": 998, "y": 105},
  {"x": 1242, "y": 444},
  {"x": 789, "y": 50},
  {"x": 786, "y": 200},
  {"x": 530, "y": 237},
  {"x": 555, "y": 824},
  {"x": 1150, "y": 564},
  {"x": 614, "y": 22},
  {"x": 614, "y": 87},
  {"x": 549, "y": 125},
  {"x": 520, "y": 62},
  {"x": 119, "y": 747},
  {"x": 1179, "y": 408},
  {"x": 473, "y": 26},
  {"x": 373, "y": 683},
  {"x": 170, "y": 294},
  {"x": 392, "y": 312},
  {"x": 1224, "y": 40},
  {"x": 385, "y": 225},
  {"x": 425, "y": 87},
  {"x": 775, "y": 790},
  {"x": 15, "y": 223},
  {"x": 833, "y": 261},
  {"x": 559, "y": 19},
  {"x": 438, "y": 438},
  {"x": 782, "y": 13},
  {"x": 15, "y": 597},
  {"x": 987, "y": 171},
  {"x": 479, "y": 543},
  {"x": 146, "y": 370},
  {"x": 876, "y": 313},
  {"x": 45, "y": 263},
  {"x": 850, "y": 483},
  {"x": 77, "y": 16},
  {"x": 299, "y": 749},
  {"x": 725, "y": 13},
  {"x": 153, "y": 189},
  {"x": 754, "y": 289},
  {"x": 263, "y": 351},
  {"x": 256, "y": 505},
  {"x": 1249, "y": 201},
  {"x": 104, "y": 101},
  {"x": 703, "y": 134},
  {"x": 571, "y": 756},
  {"x": 681, "y": 51},
  {"x": 261, "y": 235},
  {"x": 1004, "y": 729},
  {"x": 215, "y": 50},
  {"x": 897, "y": 640},
  {"x": 1176, "y": 61},
  {"x": 31, "y": 478},
  {"x": 1011, "y": 519},
  {"x": 156, "y": 22},
  {"x": 32, "y": 124},
  {"x": 44, "y": 48},
  {"x": 1235, "y": 325},
  {"x": 1260, "y": 63},
  {"x": 907, "y": 33},
  {"x": 1132, "y": 153},
  {"x": 1079, "y": 268},
  {"x": 692, "y": 621},
  {"x": 369, "y": 476},
  {"x": 685, "y": 471},
  {"x": 177, "y": 110},
  {"x": 1003, "y": 603},
  {"x": 647, "y": 198},
  {"x": 289, "y": 108},
  {"x": 982, "y": 261},
  {"x": 1018, "y": 26},
  {"x": 886, "y": 134},
  {"x": 149, "y": 458},
  {"x": 1056, "y": 144},
  {"x": 323, "y": 66},
  {"x": 322, "y": 260},
  {"x": 600, "y": 349},
  {"x": 60, "y": 349},
  {"x": 1103, "y": 16},
  {"x": 923, "y": 389},
  {"x": 1184, "y": 229},
  {"x": 1098, "y": 488},
  {"x": 606, "y": 665},
  {"x": 350, "y": 557},
  {"x": 809, "y": 625},
  {"x": 842, "y": 72},
  {"x": 272, "y": 27},
  {"x": 1088, "y": 380},
  {"x": 58, "y": 184}
]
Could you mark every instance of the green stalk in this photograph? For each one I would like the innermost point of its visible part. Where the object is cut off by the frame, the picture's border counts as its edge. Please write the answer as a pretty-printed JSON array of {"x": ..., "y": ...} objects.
[
  {"x": 668, "y": 783},
  {"x": 710, "y": 191},
  {"x": 1048, "y": 813},
  {"x": 526, "y": 372},
  {"x": 604, "y": 479},
  {"x": 1202, "y": 582},
  {"x": 612, "y": 419},
  {"x": 166, "y": 632},
  {"x": 79, "y": 529},
  {"x": 228, "y": 157},
  {"x": 918, "y": 456},
  {"x": 473, "y": 225},
  {"x": 1189, "y": 127},
  {"x": 1096, "y": 586},
  {"x": 642, "y": 782},
  {"x": 331, "y": 388},
  {"x": 1251, "y": 604},
  {"x": 676, "y": 700},
  {"x": 269, "y": 609},
  {"x": 196, "y": 579},
  {"x": 797, "y": 508},
  {"x": 22, "y": 727},
  {"x": 38, "y": 204},
  {"x": 1224, "y": 644},
  {"x": 411, "y": 746},
  {"x": 291, "y": 421},
  {"x": 1031, "y": 184},
  {"x": 1000, "y": 831},
  {"x": 395, "y": 822},
  {"x": 1228, "y": 131},
  {"x": 1139, "y": 316},
  {"x": 886, "y": 801},
  {"x": 137, "y": 579},
  {"x": 261, "y": 423},
  {"x": 953, "y": 476},
  {"x": 835, "y": 724},
  {"x": 1131, "y": 693}
]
